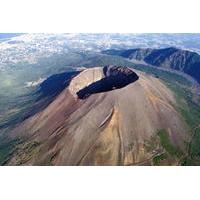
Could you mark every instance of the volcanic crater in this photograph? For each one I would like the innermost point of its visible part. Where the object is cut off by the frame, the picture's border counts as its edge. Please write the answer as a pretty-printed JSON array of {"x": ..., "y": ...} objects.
[
  {"x": 97, "y": 80},
  {"x": 104, "y": 116}
]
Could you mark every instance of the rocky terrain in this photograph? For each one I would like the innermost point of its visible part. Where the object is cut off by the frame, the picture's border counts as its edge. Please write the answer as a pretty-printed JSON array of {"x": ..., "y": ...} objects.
[
  {"x": 171, "y": 58},
  {"x": 98, "y": 118}
]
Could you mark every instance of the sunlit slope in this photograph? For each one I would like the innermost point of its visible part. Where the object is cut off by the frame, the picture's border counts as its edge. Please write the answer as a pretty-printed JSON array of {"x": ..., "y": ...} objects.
[{"x": 132, "y": 124}]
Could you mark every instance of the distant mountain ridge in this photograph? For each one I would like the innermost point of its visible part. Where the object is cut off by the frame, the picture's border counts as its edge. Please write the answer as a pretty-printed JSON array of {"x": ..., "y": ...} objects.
[{"x": 173, "y": 58}]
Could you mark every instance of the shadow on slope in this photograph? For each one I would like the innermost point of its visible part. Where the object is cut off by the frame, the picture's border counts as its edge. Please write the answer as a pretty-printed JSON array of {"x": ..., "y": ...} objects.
[
  {"x": 40, "y": 98},
  {"x": 49, "y": 89}
]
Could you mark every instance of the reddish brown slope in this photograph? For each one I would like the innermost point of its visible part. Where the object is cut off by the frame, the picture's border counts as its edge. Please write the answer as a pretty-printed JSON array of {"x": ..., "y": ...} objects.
[{"x": 105, "y": 128}]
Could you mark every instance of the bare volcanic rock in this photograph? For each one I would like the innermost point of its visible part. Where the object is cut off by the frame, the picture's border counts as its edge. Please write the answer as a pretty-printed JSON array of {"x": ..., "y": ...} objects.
[
  {"x": 97, "y": 80},
  {"x": 106, "y": 116}
]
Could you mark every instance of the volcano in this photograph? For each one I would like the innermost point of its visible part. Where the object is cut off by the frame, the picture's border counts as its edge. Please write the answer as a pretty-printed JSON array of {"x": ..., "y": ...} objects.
[{"x": 108, "y": 115}]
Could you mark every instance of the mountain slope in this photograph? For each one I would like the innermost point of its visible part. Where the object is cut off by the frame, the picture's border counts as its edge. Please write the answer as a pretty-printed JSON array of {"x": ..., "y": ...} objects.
[
  {"x": 177, "y": 59},
  {"x": 120, "y": 124},
  {"x": 18, "y": 84}
]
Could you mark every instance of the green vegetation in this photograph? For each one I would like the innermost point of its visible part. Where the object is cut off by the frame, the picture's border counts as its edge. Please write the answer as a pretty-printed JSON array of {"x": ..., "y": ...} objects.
[
  {"x": 193, "y": 157},
  {"x": 188, "y": 107},
  {"x": 190, "y": 111},
  {"x": 16, "y": 99},
  {"x": 194, "y": 147},
  {"x": 165, "y": 149},
  {"x": 26, "y": 152},
  {"x": 167, "y": 76},
  {"x": 7, "y": 148},
  {"x": 159, "y": 158},
  {"x": 162, "y": 148},
  {"x": 167, "y": 144}
]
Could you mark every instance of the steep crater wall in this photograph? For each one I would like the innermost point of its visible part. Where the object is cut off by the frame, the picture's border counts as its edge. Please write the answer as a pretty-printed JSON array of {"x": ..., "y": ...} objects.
[{"x": 114, "y": 78}]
